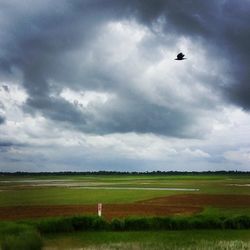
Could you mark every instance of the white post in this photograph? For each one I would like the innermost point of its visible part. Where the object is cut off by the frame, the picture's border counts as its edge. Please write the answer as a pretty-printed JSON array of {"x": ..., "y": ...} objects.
[{"x": 99, "y": 209}]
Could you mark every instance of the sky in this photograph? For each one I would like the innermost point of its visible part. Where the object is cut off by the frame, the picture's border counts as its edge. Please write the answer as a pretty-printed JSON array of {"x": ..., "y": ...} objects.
[{"x": 89, "y": 85}]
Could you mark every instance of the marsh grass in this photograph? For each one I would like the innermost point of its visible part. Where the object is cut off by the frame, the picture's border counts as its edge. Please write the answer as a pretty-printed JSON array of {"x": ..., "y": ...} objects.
[
  {"x": 202, "y": 245},
  {"x": 27, "y": 234},
  {"x": 193, "y": 239},
  {"x": 15, "y": 236},
  {"x": 94, "y": 223},
  {"x": 30, "y": 240}
]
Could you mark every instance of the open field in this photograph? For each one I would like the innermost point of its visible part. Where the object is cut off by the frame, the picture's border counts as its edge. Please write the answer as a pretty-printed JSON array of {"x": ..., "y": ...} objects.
[
  {"x": 212, "y": 196},
  {"x": 43, "y": 196}
]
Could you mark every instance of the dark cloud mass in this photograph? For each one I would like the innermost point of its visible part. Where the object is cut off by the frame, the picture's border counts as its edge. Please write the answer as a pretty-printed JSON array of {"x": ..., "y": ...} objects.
[
  {"x": 6, "y": 88},
  {"x": 51, "y": 47},
  {"x": 2, "y": 119},
  {"x": 5, "y": 145}
]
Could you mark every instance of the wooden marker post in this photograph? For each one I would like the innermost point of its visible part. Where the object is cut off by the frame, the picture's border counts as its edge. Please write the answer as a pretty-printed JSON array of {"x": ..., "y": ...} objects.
[{"x": 99, "y": 209}]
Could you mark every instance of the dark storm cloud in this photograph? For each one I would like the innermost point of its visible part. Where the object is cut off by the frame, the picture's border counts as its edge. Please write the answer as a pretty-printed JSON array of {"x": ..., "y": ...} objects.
[
  {"x": 136, "y": 115},
  {"x": 6, "y": 88},
  {"x": 37, "y": 39},
  {"x": 222, "y": 25},
  {"x": 2, "y": 119},
  {"x": 4, "y": 144},
  {"x": 57, "y": 109}
]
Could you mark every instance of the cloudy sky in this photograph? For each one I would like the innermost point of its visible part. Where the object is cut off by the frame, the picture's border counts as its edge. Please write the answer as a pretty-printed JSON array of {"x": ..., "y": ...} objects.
[{"x": 90, "y": 85}]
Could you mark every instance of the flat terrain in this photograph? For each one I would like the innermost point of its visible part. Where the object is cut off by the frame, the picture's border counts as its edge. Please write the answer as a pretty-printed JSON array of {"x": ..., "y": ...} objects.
[
  {"x": 169, "y": 205},
  {"x": 125, "y": 195},
  {"x": 25, "y": 197}
]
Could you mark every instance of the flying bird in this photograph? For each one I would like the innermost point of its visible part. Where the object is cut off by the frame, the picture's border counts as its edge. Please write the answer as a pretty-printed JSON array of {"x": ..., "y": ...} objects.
[{"x": 180, "y": 56}]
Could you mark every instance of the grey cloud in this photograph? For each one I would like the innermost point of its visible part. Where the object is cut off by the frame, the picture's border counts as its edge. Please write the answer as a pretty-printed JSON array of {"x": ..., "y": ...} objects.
[
  {"x": 2, "y": 119},
  {"x": 137, "y": 115},
  {"x": 39, "y": 42},
  {"x": 222, "y": 25},
  {"x": 5, "y": 144},
  {"x": 6, "y": 88},
  {"x": 119, "y": 116},
  {"x": 2, "y": 106},
  {"x": 56, "y": 109}
]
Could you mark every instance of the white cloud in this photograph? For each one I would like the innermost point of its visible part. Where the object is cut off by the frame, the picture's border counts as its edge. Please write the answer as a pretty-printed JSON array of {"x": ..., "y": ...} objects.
[
  {"x": 196, "y": 153},
  {"x": 85, "y": 98},
  {"x": 241, "y": 156}
]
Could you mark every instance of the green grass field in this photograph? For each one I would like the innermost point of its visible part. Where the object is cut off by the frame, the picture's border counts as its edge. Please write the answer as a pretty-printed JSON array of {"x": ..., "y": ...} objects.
[
  {"x": 59, "y": 190},
  {"x": 73, "y": 190},
  {"x": 66, "y": 196}
]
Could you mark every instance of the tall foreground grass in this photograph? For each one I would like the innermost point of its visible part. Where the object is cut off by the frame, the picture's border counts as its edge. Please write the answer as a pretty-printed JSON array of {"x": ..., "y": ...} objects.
[
  {"x": 151, "y": 240},
  {"x": 200, "y": 245},
  {"x": 26, "y": 235},
  {"x": 93, "y": 223},
  {"x": 15, "y": 236}
]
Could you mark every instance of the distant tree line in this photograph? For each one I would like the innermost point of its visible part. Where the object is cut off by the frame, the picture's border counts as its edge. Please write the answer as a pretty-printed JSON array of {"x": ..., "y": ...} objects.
[{"x": 163, "y": 173}]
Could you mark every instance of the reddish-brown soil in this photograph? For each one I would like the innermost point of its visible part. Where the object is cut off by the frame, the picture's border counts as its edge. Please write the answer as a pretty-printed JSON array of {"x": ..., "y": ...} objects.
[
  {"x": 201, "y": 200},
  {"x": 170, "y": 205}
]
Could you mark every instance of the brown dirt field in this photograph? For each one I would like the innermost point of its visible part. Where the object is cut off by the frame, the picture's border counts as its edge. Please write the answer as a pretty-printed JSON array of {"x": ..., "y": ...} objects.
[
  {"x": 109, "y": 211},
  {"x": 170, "y": 205},
  {"x": 201, "y": 200},
  {"x": 22, "y": 212}
]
